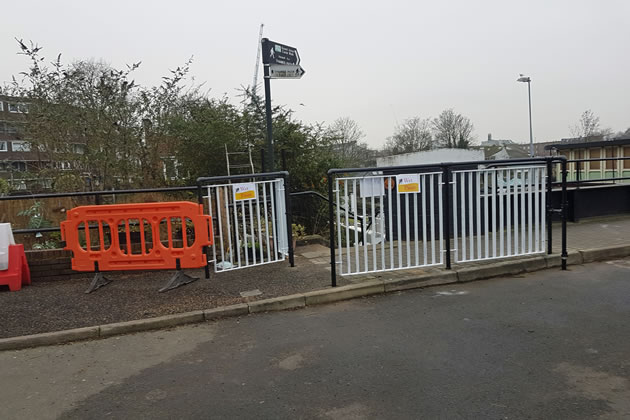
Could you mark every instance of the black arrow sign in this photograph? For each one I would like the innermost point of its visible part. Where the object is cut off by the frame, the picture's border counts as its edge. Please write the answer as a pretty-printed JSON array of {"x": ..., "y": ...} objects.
[{"x": 275, "y": 53}]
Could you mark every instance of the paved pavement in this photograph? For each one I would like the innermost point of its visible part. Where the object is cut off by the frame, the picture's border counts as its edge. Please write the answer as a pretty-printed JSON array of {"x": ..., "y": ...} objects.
[{"x": 549, "y": 344}]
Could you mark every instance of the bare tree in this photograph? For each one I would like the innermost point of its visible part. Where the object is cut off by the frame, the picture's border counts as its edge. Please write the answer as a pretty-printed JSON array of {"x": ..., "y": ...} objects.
[
  {"x": 588, "y": 127},
  {"x": 413, "y": 135},
  {"x": 452, "y": 130},
  {"x": 346, "y": 137}
]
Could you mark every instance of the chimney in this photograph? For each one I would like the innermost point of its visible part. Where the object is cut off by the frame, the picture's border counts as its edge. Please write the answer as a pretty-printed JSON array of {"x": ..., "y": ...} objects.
[{"x": 489, "y": 136}]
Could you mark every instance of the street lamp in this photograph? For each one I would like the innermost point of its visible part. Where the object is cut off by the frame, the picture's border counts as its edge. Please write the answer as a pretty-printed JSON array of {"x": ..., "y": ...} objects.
[{"x": 529, "y": 93}]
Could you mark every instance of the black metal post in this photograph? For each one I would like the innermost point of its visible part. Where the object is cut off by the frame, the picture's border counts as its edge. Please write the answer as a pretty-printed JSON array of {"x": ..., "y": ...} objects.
[
  {"x": 289, "y": 215},
  {"x": 262, "y": 160},
  {"x": 564, "y": 255},
  {"x": 331, "y": 228},
  {"x": 446, "y": 213},
  {"x": 269, "y": 117},
  {"x": 284, "y": 160},
  {"x": 205, "y": 248},
  {"x": 549, "y": 208}
]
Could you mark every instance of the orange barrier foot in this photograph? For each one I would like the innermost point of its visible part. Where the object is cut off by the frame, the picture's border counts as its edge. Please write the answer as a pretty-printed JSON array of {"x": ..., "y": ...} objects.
[
  {"x": 98, "y": 281},
  {"x": 179, "y": 279}
]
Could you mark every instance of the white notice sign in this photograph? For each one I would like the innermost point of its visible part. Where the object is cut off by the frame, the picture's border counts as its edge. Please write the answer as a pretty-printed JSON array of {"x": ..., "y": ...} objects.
[
  {"x": 408, "y": 183},
  {"x": 371, "y": 187},
  {"x": 245, "y": 191}
]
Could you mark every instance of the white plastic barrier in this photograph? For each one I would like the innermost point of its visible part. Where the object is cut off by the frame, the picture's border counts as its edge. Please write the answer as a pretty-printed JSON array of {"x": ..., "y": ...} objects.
[{"x": 6, "y": 239}]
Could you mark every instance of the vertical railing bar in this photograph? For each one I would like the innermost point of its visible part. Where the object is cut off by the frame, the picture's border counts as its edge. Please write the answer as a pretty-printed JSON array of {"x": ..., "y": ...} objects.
[
  {"x": 523, "y": 210},
  {"x": 478, "y": 211},
  {"x": 253, "y": 232},
  {"x": 415, "y": 223},
  {"x": 266, "y": 211},
  {"x": 501, "y": 194},
  {"x": 391, "y": 225},
  {"x": 516, "y": 214},
  {"x": 471, "y": 213},
  {"x": 383, "y": 236},
  {"x": 276, "y": 223},
  {"x": 494, "y": 213},
  {"x": 398, "y": 226},
  {"x": 237, "y": 240},
  {"x": 530, "y": 205},
  {"x": 508, "y": 207},
  {"x": 339, "y": 241},
  {"x": 220, "y": 223},
  {"x": 485, "y": 213},
  {"x": 424, "y": 220},
  {"x": 407, "y": 239},
  {"x": 260, "y": 241},
  {"x": 229, "y": 224},
  {"x": 537, "y": 210},
  {"x": 455, "y": 214},
  {"x": 543, "y": 209},
  {"x": 462, "y": 205},
  {"x": 432, "y": 201},
  {"x": 244, "y": 232},
  {"x": 441, "y": 217},
  {"x": 363, "y": 235},
  {"x": 374, "y": 224},
  {"x": 355, "y": 211},
  {"x": 347, "y": 217}
]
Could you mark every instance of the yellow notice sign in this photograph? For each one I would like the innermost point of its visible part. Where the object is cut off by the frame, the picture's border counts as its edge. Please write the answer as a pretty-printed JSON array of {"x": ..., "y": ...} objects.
[
  {"x": 246, "y": 191},
  {"x": 408, "y": 183}
]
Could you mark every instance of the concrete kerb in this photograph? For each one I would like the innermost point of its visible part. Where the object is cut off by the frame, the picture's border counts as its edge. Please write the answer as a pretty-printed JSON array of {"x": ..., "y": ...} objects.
[
  {"x": 49, "y": 338},
  {"x": 367, "y": 288},
  {"x": 598, "y": 254},
  {"x": 166, "y": 321}
]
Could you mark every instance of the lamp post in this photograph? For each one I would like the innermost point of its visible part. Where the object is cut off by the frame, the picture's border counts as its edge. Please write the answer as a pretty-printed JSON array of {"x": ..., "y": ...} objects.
[{"x": 529, "y": 94}]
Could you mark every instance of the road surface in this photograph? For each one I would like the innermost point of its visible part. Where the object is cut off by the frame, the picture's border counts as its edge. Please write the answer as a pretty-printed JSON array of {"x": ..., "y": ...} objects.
[{"x": 549, "y": 344}]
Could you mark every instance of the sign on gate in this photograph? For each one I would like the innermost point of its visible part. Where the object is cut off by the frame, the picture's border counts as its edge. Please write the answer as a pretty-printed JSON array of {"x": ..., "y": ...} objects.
[
  {"x": 245, "y": 191},
  {"x": 408, "y": 183}
]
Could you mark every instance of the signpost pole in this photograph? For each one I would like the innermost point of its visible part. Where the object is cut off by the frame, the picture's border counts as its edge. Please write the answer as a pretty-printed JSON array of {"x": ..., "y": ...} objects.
[{"x": 269, "y": 119}]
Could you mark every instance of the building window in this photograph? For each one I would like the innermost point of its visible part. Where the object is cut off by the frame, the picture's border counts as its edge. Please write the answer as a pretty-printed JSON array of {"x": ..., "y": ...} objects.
[
  {"x": 170, "y": 168},
  {"x": 595, "y": 154},
  {"x": 78, "y": 148},
  {"x": 23, "y": 108},
  {"x": 1, "y": 106},
  {"x": 611, "y": 153},
  {"x": 626, "y": 153},
  {"x": 13, "y": 107},
  {"x": 3, "y": 146},
  {"x": 10, "y": 129},
  {"x": 20, "y": 146},
  {"x": 19, "y": 166}
]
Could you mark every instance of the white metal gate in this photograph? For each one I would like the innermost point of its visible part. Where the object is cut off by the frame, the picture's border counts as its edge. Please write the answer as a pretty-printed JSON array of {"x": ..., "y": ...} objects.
[
  {"x": 389, "y": 222},
  {"x": 499, "y": 212},
  {"x": 250, "y": 223}
]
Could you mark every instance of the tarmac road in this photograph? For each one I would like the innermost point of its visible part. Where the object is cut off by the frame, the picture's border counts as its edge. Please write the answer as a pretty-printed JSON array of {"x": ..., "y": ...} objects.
[{"x": 549, "y": 344}]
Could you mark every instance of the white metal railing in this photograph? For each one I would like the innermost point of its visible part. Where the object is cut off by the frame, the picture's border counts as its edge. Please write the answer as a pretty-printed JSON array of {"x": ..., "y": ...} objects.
[
  {"x": 499, "y": 212},
  {"x": 389, "y": 222},
  {"x": 250, "y": 224}
]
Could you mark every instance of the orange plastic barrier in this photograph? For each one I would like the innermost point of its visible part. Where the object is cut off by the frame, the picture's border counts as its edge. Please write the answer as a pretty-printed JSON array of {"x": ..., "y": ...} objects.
[
  {"x": 98, "y": 248},
  {"x": 18, "y": 274}
]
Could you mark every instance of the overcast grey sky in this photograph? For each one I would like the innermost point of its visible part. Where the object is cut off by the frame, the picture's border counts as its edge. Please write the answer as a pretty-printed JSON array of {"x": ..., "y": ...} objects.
[{"x": 375, "y": 62}]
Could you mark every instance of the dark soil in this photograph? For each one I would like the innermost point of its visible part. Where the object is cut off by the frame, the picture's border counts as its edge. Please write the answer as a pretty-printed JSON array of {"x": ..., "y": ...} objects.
[{"x": 57, "y": 305}]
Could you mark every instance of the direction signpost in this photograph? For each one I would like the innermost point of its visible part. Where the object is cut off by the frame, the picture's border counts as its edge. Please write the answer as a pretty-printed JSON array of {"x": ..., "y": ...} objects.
[{"x": 280, "y": 62}]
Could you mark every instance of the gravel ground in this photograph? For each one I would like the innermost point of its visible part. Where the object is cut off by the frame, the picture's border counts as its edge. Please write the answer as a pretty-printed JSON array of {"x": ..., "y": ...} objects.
[{"x": 58, "y": 305}]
